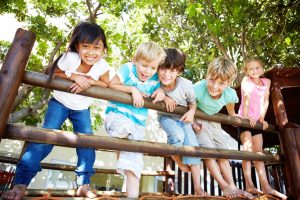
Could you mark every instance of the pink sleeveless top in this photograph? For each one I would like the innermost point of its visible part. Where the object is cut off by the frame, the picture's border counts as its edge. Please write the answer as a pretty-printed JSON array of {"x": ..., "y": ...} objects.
[{"x": 257, "y": 94}]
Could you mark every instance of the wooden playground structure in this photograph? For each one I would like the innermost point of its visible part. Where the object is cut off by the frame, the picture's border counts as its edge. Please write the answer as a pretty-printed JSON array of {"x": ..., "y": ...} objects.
[{"x": 283, "y": 112}]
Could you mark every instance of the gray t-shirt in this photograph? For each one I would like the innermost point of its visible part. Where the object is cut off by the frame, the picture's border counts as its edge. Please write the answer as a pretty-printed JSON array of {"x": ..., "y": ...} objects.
[{"x": 183, "y": 93}]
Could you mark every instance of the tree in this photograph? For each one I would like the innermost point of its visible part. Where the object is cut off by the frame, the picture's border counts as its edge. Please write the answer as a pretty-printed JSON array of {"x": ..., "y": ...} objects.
[{"x": 203, "y": 29}]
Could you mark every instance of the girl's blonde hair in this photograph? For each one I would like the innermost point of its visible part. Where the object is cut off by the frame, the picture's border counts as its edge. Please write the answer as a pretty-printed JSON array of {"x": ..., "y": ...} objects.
[
  {"x": 249, "y": 60},
  {"x": 222, "y": 68},
  {"x": 149, "y": 51}
]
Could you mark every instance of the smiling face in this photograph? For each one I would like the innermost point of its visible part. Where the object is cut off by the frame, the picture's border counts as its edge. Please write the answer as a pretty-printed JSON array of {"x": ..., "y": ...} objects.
[
  {"x": 168, "y": 77},
  {"x": 216, "y": 86},
  {"x": 90, "y": 53},
  {"x": 254, "y": 69},
  {"x": 146, "y": 70}
]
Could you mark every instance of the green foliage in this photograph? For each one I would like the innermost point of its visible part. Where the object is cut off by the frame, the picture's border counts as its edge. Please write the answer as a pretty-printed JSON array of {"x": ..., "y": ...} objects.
[{"x": 202, "y": 29}]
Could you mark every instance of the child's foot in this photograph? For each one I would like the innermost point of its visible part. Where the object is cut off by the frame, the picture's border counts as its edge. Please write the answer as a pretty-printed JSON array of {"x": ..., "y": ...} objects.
[
  {"x": 253, "y": 190},
  {"x": 275, "y": 193},
  {"x": 229, "y": 192},
  {"x": 184, "y": 167},
  {"x": 244, "y": 193},
  {"x": 200, "y": 192},
  {"x": 85, "y": 191},
  {"x": 17, "y": 193}
]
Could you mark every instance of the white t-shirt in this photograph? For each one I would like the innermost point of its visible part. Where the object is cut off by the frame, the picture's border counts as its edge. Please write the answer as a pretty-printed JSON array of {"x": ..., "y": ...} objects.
[{"x": 69, "y": 63}]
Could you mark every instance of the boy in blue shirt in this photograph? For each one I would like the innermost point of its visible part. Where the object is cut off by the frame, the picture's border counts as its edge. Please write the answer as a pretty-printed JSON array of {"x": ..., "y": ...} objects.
[
  {"x": 212, "y": 94},
  {"x": 139, "y": 78}
]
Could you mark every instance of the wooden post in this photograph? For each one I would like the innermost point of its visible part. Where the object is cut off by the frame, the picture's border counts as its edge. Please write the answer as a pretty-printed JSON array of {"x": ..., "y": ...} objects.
[
  {"x": 12, "y": 71},
  {"x": 288, "y": 138}
]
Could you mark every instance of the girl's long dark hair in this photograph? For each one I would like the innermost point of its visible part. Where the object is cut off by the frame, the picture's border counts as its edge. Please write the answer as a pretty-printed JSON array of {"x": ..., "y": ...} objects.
[{"x": 84, "y": 32}]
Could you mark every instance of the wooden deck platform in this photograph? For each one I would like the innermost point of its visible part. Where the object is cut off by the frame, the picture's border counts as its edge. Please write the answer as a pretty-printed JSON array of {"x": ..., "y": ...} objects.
[{"x": 104, "y": 195}]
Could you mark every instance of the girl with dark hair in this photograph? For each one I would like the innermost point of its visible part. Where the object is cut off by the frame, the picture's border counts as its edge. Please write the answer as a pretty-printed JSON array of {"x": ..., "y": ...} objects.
[{"x": 83, "y": 63}]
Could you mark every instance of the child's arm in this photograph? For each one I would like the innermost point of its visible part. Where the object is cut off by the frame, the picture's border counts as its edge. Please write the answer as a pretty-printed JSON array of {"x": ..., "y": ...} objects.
[
  {"x": 170, "y": 104},
  {"x": 246, "y": 97},
  {"x": 103, "y": 80},
  {"x": 188, "y": 117},
  {"x": 137, "y": 96},
  {"x": 230, "y": 109},
  {"x": 158, "y": 95},
  {"x": 81, "y": 82},
  {"x": 265, "y": 106}
]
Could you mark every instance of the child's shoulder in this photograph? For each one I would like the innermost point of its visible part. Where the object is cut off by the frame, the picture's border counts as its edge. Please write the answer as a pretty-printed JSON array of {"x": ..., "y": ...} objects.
[
  {"x": 184, "y": 81},
  {"x": 266, "y": 81}
]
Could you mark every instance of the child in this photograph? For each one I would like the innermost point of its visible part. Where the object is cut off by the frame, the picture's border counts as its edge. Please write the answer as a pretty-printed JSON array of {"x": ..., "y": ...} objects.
[
  {"x": 82, "y": 63},
  {"x": 179, "y": 91},
  {"x": 212, "y": 94},
  {"x": 255, "y": 92},
  {"x": 139, "y": 78}
]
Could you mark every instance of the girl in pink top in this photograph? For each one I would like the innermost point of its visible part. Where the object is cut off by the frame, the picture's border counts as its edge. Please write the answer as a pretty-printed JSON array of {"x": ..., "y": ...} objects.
[{"x": 255, "y": 100}]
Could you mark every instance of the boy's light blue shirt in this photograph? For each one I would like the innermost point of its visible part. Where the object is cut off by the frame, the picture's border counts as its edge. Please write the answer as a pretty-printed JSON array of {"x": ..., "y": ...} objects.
[
  {"x": 209, "y": 105},
  {"x": 128, "y": 76}
]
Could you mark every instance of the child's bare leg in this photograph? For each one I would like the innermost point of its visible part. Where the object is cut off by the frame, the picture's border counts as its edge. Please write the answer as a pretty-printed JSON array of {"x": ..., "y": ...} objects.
[
  {"x": 227, "y": 173},
  {"x": 260, "y": 168},
  {"x": 246, "y": 140},
  {"x": 196, "y": 180},
  {"x": 215, "y": 171},
  {"x": 16, "y": 193},
  {"x": 85, "y": 191},
  {"x": 183, "y": 167},
  {"x": 132, "y": 185}
]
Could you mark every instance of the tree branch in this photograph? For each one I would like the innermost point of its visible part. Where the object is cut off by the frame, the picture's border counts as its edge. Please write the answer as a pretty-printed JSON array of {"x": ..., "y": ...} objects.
[{"x": 31, "y": 110}]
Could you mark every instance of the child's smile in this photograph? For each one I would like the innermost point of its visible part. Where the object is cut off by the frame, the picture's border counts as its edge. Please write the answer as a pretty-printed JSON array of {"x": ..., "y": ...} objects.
[{"x": 216, "y": 86}]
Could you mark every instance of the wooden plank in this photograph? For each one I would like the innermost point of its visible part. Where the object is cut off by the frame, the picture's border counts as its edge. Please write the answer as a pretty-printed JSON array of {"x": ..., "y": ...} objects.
[
  {"x": 70, "y": 139},
  {"x": 12, "y": 71},
  {"x": 38, "y": 79}
]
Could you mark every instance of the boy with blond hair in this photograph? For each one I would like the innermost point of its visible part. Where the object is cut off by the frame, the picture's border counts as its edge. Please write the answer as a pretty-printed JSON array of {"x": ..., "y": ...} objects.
[
  {"x": 138, "y": 78},
  {"x": 212, "y": 93}
]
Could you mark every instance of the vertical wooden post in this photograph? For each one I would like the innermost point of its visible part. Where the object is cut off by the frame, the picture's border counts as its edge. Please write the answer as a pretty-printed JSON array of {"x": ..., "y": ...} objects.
[
  {"x": 287, "y": 138},
  {"x": 12, "y": 71}
]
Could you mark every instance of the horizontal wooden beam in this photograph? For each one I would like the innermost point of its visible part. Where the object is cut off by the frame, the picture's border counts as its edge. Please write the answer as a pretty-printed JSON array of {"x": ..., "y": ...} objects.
[
  {"x": 34, "y": 194},
  {"x": 69, "y": 139},
  {"x": 38, "y": 79},
  {"x": 52, "y": 166}
]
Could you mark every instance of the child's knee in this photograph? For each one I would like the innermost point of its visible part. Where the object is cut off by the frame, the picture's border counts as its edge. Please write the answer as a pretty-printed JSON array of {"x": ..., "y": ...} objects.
[{"x": 176, "y": 139}]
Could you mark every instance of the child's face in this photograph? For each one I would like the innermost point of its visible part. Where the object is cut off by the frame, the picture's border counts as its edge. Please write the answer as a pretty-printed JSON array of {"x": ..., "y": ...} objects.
[
  {"x": 254, "y": 69},
  {"x": 216, "y": 86},
  {"x": 167, "y": 77},
  {"x": 90, "y": 53},
  {"x": 146, "y": 70}
]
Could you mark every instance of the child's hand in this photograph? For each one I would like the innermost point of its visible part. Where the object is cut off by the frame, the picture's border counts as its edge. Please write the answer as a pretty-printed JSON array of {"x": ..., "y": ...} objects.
[
  {"x": 170, "y": 104},
  {"x": 158, "y": 95},
  {"x": 197, "y": 127},
  {"x": 137, "y": 96},
  {"x": 188, "y": 117},
  {"x": 252, "y": 122},
  {"x": 83, "y": 81},
  {"x": 75, "y": 88},
  {"x": 265, "y": 124}
]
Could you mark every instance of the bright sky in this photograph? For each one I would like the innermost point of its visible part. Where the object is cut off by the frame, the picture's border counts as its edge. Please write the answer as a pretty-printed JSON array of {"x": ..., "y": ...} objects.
[{"x": 9, "y": 26}]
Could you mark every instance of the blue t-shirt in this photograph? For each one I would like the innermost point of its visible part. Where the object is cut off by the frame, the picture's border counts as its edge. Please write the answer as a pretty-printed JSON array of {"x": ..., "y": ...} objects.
[
  {"x": 128, "y": 76},
  {"x": 209, "y": 105}
]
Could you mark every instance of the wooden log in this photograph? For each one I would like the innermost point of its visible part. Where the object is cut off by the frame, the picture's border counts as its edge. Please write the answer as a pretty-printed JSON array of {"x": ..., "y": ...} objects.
[
  {"x": 38, "y": 79},
  {"x": 12, "y": 71},
  {"x": 5, "y": 159},
  {"x": 286, "y": 136},
  {"x": 69, "y": 139}
]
